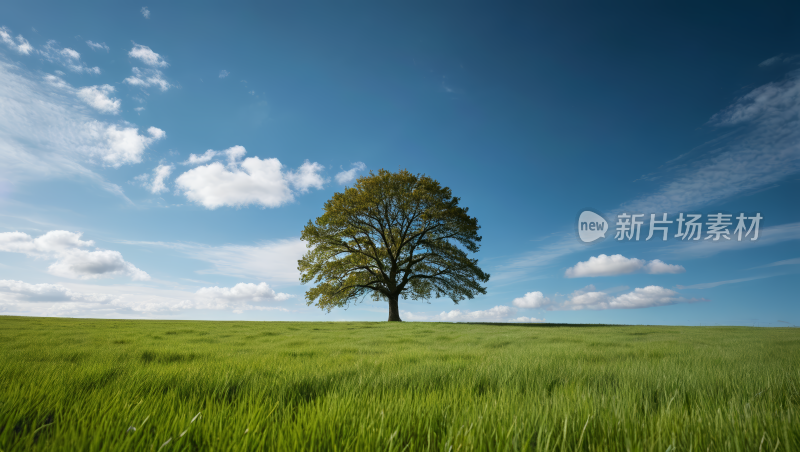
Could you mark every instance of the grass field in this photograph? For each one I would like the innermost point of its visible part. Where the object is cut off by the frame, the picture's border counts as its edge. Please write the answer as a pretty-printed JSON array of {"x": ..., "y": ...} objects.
[{"x": 72, "y": 384}]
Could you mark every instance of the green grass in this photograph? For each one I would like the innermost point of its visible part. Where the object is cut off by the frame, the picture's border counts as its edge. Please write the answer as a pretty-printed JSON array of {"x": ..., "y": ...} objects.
[{"x": 71, "y": 384}]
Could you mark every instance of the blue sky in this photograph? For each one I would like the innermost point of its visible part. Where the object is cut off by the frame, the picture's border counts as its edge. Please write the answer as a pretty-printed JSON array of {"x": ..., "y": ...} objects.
[{"x": 160, "y": 160}]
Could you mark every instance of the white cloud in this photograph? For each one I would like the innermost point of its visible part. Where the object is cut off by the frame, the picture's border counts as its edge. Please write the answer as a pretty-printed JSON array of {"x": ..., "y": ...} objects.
[
  {"x": 195, "y": 159},
  {"x": 603, "y": 265},
  {"x": 98, "y": 98},
  {"x": 242, "y": 292},
  {"x": 252, "y": 181},
  {"x": 527, "y": 320},
  {"x": 83, "y": 264},
  {"x": 223, "y": 73},
  {"x": 273, "y": 261},
  {"x": 21, "y": 45},
  {"x": 47, "y": 132},
  {"x": 531, "y": 300},
  {"x": 11, "y": 290},
  {"x": 139, "y": 109},
  {"x": 72, "y": 259},
  {"x": 67, "y": 57},
  {"x": 125, "y": 145},
  {"x": 234, "y": 153},
  {"x": 125, "y": 301},
  {"x": 307, "y": 176},
  {"x": 771, "y": 61},
  {"x": 618, "y": 264},
  {"x": 50, "y": 244},
  {"x": 345, "y": 177},
  {"x": 155, "y": 184},
  {"x": 147, "y": 56},
  {"x": 495, "y": 314},
  {"x": 97, "y": 46},
  {"x": 592, "y": 299},
  {"x": 145, "y": 12},
  {"x": 795, "y": 261},
  {"x": 147, "y": 78},
  {"x": 657, "y": 267}
]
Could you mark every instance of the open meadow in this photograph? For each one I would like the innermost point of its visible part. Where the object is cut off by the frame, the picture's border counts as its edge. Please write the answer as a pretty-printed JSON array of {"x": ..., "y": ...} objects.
[{"x": 74, "y": 384}]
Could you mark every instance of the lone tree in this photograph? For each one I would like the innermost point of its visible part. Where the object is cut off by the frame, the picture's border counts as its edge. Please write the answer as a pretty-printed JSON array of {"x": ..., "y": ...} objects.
[{"x": 391, "y": 235}]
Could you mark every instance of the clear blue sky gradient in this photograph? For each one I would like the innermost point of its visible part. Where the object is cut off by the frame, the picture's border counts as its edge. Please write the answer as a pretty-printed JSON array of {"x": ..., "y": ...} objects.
[{"x": 529, "y": 113}]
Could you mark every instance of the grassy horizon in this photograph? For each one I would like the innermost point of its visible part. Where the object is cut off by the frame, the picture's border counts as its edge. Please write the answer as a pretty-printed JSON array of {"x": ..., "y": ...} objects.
[{"x": 82, "y": 384}]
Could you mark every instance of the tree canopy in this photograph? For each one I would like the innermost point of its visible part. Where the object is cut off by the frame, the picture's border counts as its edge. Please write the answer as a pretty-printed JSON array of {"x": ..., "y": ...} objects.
[{"x": 391, "y": 235}]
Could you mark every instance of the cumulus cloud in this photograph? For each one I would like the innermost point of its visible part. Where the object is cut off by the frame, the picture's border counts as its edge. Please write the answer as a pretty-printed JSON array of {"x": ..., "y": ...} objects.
[
  {"x": 251, "y": 181},
  {"x": 147, "y": 56},
  {"x": 11, "y": 290},
  {"x": 589, "y": 298},
  {"x": 147, "y": 78},
  {"x": 145, "y": 12},
  {"x": 126, "y": 145},
  {"x": 19, "y": 43},
  {"x": 127, "y": 301},
  {"x": 223, "y": 73},
  {"x": 195, "y": 159},
  {"x": 307, "y": 176},
  {"x": 98, "y": 97},
  {"x": 72, "y": 259},
  {"x": 155, "y": 183},
  {"x": 618, "y": 264},
  {"x": 97, "y": 46},
  {"x": 495, "y": 314},
  {"x": 83, "y": 264},
  {"x": 531, "y": 300},
  {"x": 47, "y": 131},
  {"x": 243, "y": 292},
  {"x": 345, "y": 177}
]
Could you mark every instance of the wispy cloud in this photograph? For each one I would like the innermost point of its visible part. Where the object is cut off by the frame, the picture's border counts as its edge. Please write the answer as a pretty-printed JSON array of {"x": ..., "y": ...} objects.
[
  {"x": 154, "y": 182},
  {"x": 147, "y": 56},
  {"x": 47, "y": 132},
  {"x": 206, "y": 157},
  {"x": 97, "y": 46},
  {"x": 147, "y": 78},
  {"x": 346, "y": 177},
  {"x": 20, "y": 44},
  {"x": 760, "y": 147},
  {"x": 795, "y": 261},
  {"x": 767, "y": 236},
  {"x": 67, "y": 57},
  {"x": 145, "y": 12},
  {"x": 711, "y": 285},
  {"x": 223, "y": 73},
  {"x": 272, "y": 261}
]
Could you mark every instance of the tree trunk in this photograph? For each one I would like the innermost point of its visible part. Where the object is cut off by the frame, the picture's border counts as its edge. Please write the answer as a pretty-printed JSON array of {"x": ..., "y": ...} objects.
[{"x": 394, "y": 310}]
